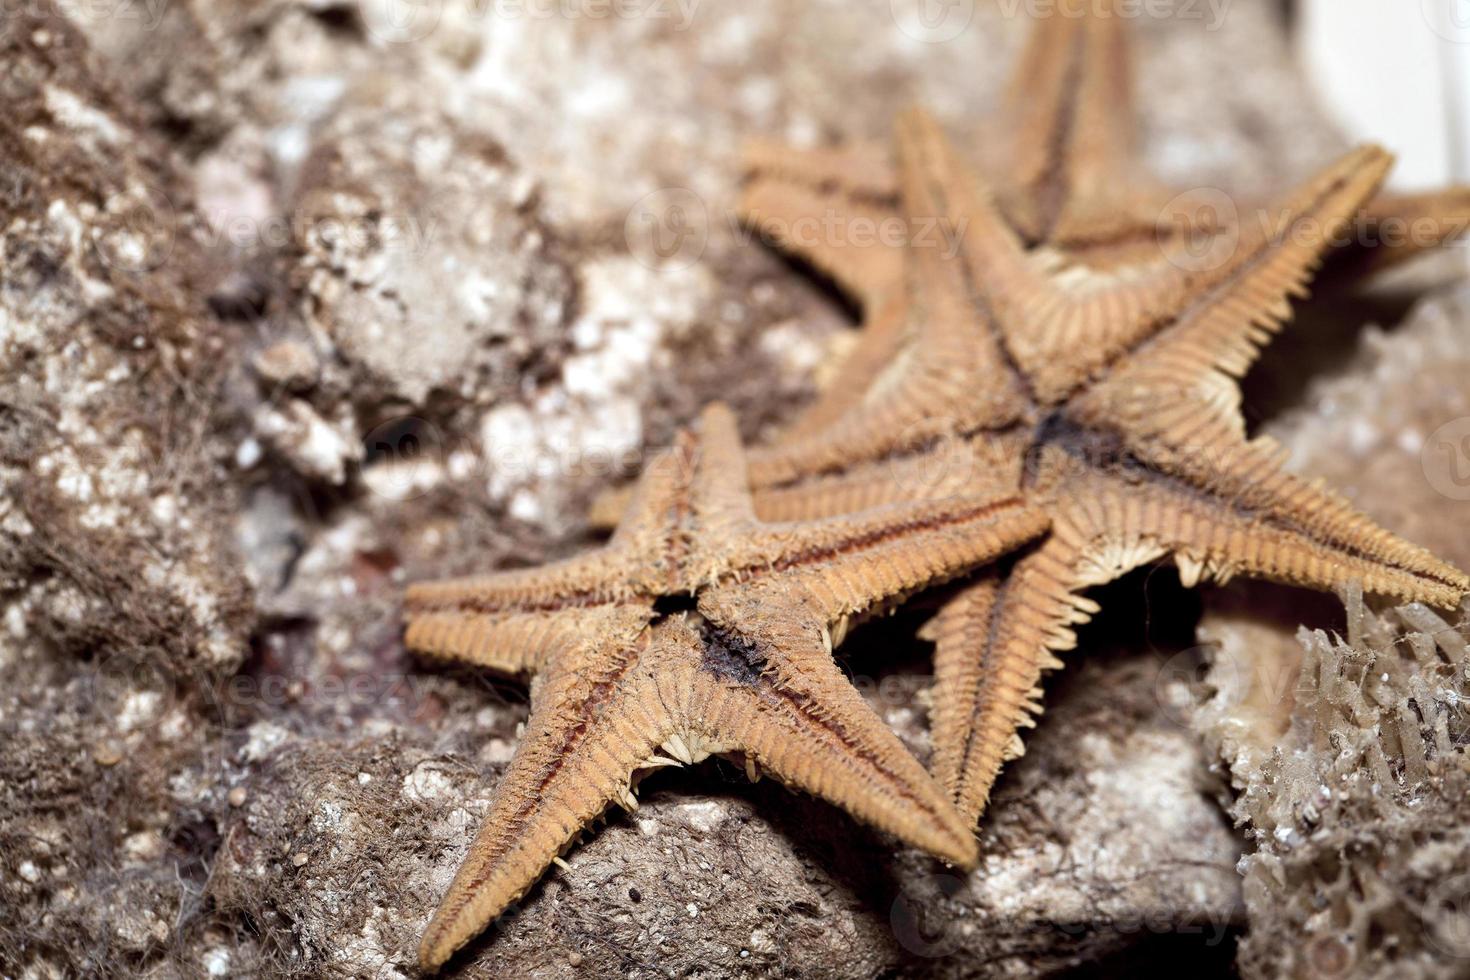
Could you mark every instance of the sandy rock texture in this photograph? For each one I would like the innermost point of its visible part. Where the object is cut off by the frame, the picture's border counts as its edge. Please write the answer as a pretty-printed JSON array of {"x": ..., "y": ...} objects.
[
  {"x": 123, "y": 599},
  {"x": 302, "y": 301}
]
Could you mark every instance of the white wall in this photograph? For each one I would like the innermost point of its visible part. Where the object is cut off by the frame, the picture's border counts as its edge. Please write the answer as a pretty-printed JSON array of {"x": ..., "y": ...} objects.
[{"x": 1398, "y": 72}]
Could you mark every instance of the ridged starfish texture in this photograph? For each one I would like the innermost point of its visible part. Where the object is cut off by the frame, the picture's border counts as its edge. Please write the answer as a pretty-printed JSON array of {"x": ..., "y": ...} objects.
[
  {"x": 1061, "y": 160},
  {"x": 698, "y": 630},
  {"x": 1077, "y": 339},
  {"x": 1061, "y": 163},
  {"x": 1107, "y": 397}
]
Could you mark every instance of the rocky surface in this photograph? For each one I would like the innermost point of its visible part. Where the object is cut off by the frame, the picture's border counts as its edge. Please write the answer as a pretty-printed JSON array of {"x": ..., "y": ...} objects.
[
  {"x": 301, "y": 301},
  {"x": 1348, "y": 755},
  {"x": 123, "y": 600}
]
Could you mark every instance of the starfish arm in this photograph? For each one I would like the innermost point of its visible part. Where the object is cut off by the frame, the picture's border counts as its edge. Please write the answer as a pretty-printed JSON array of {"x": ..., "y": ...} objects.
[
  {"x": 719, "y": 491},
  {"x": 1237, "y": 510},
  {"x": 994, "y": 638},
  {"x": 770, "y": 688},
  {"x": 704, "y": 474},
  {"x": 591, "y": 727},
  {"x": 865, "y": 487},
  {"x": 1069, "y": 113},
  {"x": 644, "y": 515},
  {"x": 843, "y": 239},
  {"x": 949, "y": 469},
  {"x": 979, "y": 467},
  {"x": 518, "y": 643},
  {"x": 850, "y": 565},
  {"x": 1068, "y": 326},
  {"x": 1229, "y": 505},
  {"x": 992, "y": 641},
  {"x": 1296, "y": 531},
  {"x": 955, "y": 374},
  {"x": 1400, "y": 227},
  {"x": 1240, "y": 299},
  {"x": 594, "y": 578},
  {"x": 1051, "y": 323}
]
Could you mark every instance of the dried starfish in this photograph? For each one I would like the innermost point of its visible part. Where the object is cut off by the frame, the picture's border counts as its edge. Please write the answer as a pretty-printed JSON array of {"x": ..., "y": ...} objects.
[
  {"x": 697, "y": 630},
  {"x": 1109, "y": 399},
  {"x": 1062, "y": 162},
  {"x": 1066, "y": 181},
  {"x": 1061, "y": 155}
]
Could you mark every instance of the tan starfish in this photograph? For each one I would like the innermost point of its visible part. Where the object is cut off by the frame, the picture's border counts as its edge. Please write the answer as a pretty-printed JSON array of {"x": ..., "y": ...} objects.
[
  {"x": 1066, "y": 181},
  {"x": 1110, "y": 400},
  {"x": 1061, "y": 159},
  {"x": 697, "y": 630},
  {"x": 1061, "y": 155}
]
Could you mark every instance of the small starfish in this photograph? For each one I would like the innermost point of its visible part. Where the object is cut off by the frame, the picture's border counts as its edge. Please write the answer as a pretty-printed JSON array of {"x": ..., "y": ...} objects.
[
  {"x": 697, "y": 630},
  {"x": 1108, "y": 399}
]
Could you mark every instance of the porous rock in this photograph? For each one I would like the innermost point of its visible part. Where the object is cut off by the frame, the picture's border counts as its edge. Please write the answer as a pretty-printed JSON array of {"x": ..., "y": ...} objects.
[{"x": 1345, "y": 744}]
